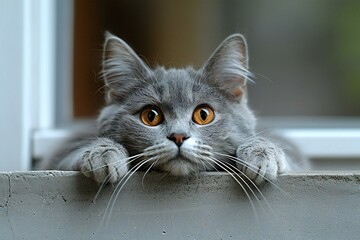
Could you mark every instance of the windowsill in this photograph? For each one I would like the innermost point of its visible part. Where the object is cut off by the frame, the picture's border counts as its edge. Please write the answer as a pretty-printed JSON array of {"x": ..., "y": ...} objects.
[
  {"x": 56, "y": 204},
  {"x": 321, "y": 138}
]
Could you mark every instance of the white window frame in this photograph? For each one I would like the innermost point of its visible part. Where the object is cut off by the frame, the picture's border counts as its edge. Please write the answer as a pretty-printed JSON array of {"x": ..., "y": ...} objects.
[
  {"x": 36, "y": 106},
  {"x": 325, "y": 143},
  {"x": 27, "y": 72}
]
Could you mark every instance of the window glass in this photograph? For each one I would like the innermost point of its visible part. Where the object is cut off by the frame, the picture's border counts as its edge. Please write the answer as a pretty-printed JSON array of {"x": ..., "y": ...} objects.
[{"x": 304, "y": 54}]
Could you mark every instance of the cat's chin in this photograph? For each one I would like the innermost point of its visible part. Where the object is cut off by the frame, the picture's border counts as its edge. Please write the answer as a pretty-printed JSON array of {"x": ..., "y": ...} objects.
[{"x": 179, "y": 166}]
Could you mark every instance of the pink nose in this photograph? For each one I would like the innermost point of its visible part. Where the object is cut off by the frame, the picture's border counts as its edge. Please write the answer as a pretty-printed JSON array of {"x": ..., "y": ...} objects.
[{"x": 178, "y": 138}]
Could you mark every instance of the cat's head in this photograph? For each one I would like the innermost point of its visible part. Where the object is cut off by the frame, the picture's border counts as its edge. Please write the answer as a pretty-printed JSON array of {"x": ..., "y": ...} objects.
[{"x": 178, "y": 120}]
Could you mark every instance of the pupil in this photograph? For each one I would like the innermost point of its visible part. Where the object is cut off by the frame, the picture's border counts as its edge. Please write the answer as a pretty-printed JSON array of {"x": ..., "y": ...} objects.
[
  {"x": 151, "y": 115},
  {"x": 203, "y": 114}
]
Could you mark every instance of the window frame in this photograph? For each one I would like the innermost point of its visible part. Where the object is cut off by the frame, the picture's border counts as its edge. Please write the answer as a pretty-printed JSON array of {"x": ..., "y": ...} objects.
[{"x": 30, "y": 72}]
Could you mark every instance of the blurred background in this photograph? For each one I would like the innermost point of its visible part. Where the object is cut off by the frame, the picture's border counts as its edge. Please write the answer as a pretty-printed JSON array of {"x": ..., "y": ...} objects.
[{"x": 305, "y": 54}]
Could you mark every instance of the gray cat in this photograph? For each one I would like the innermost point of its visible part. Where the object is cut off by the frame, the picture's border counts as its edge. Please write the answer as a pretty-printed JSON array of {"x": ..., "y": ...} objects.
[{"x": 179, "y": 121}]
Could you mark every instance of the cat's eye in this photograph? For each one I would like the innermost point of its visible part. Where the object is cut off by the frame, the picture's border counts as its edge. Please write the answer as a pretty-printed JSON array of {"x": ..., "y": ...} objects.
[
  {"x": 152, "y": 116},
  {"x": 203, "y": 115}
]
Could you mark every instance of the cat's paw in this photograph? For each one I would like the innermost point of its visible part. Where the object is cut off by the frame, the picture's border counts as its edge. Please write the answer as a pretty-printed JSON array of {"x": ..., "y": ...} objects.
[
  {"x": 105, "y": 160},
  {"x": 263, "y": 160}
]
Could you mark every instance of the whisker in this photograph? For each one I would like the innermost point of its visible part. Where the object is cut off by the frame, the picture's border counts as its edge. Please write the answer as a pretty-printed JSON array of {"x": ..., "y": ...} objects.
[
  {"x": 204, "y": 164},
  {"x": 106, "y": 181},
  {"x": 211, "y": 165},
  {"x": 231, "y": 172},
  {"x": 143, "y": 178},
  {"x": 235, "y": 170},
  {"x": 119, "y": 187},
  {"x": 238, "y": 160},
  {"x": 150, "y": 150},
  {"x": 116, "y": 162},
  {"x": 252, "y": 183},
  {"x": 252, "y": 168}
]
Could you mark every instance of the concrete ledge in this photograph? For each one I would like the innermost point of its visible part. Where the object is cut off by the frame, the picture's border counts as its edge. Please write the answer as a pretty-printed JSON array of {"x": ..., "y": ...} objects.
[{"x": 59, "y": 205}]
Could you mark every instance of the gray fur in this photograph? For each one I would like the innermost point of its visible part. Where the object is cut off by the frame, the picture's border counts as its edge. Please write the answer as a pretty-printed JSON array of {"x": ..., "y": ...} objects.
[{"x": 123, "y": 142}]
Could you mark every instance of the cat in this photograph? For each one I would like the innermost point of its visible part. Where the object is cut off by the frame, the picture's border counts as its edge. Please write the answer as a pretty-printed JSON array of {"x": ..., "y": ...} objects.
[{"x": 178, "y": 121}]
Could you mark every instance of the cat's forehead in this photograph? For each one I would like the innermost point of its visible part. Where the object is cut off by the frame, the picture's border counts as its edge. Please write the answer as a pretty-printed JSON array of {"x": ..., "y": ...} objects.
[
  {"x": 175, "y": 85},
  {"x": 174, "y": 91},
  {"x": 175, "y": 77}
]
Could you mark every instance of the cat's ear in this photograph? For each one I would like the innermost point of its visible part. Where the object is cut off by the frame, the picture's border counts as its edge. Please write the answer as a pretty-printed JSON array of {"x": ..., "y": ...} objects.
[
  {"x": 123, "y": 70},
  {"x": 227, "y": 68}
]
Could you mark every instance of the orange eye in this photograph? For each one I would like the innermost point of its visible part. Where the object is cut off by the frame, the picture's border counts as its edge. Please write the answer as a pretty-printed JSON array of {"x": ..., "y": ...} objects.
[
  {"x": 203, "y": 115},
  {"x": 151, "y": 116}
]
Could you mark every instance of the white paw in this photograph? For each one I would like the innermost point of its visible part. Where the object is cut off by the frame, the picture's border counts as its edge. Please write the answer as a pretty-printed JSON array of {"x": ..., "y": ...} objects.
[
  {"x": 105, "y": 161},
  {"x": 263, "y": 160}
]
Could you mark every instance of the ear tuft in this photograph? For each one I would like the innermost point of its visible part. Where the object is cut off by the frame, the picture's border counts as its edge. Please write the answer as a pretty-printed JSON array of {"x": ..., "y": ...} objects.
[
  {"x": 227, "y": 68},
  {"x": 122, "y": 69}
]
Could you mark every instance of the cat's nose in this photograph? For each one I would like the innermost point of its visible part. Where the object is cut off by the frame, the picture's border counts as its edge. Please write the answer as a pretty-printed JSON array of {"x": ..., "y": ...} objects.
[{"x": 178, "y": 138}]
